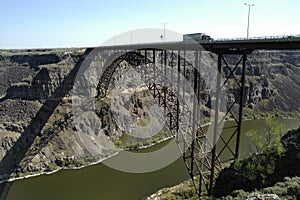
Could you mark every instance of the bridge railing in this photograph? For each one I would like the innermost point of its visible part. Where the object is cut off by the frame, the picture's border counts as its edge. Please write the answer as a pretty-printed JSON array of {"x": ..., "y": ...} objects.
[{"x": 277, "y": 37}]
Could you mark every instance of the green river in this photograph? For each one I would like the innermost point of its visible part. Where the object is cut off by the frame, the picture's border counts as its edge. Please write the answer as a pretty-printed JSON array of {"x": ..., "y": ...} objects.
[{"x": 102, "y": 182}]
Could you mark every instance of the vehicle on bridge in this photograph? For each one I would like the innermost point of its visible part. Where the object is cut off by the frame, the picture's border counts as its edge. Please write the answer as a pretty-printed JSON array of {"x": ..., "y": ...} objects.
[{"x": 196, "y": 37}]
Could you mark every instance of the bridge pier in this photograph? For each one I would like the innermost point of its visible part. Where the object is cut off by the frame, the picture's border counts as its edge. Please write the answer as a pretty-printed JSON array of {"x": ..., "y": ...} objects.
[
  {"x": 240, "y": 101},
  {"x": 243, "y": 79}
]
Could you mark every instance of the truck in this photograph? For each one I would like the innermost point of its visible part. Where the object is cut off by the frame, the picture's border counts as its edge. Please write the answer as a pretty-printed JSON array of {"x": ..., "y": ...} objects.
[{"x": 196, "y": 37}]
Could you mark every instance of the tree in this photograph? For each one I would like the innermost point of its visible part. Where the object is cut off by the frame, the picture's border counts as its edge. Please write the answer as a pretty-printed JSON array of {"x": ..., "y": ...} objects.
[{"x": 270, "y": 140}]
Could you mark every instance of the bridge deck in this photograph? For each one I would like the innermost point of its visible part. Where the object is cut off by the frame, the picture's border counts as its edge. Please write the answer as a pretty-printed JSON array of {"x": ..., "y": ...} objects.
[{"x": 219, "y": 46}]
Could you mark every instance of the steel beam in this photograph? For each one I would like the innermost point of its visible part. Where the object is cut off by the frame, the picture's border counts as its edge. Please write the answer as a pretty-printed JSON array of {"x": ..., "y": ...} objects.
[
  {"x": 242, "y": 97},
  {"x": 216, "y": 126}
]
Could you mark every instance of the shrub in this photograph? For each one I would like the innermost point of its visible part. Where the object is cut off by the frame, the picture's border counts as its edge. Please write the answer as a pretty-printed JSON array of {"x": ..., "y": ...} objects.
[
  {"x": 119, "y": 143},
  {"x": 288, "y": 189},
  {"x": 264, "y": 168},
  {"x": 51, "y": 167},
  {"x": 139, "y": 144},
  {"x": 270, "y": 140},
  {"x": 148, "y": 142}
]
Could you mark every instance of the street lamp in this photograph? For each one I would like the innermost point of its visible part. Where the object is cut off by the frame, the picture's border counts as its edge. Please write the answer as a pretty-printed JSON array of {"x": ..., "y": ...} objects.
[
  {"x": 164, "y": 30},
  {"x": 249, "y": 6}
]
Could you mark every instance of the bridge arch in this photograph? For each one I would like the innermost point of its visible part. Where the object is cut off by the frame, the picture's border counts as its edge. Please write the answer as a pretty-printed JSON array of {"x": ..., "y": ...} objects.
[{"x": 195, "y": 144}]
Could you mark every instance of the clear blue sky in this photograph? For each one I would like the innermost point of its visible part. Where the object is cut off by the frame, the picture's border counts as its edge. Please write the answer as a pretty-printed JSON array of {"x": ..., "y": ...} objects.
[{"x": 73, "y": 23}]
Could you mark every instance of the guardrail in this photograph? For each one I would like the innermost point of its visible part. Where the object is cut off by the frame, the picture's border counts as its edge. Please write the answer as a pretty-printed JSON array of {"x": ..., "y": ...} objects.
[
  {"x": 220, "y": 40},
  {"x": 277, "y": 37}
]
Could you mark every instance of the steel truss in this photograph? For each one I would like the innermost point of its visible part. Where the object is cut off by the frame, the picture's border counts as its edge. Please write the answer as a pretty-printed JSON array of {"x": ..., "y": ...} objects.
[
  {"x": 210, "y": 166},
  {"x": 205, "y": 165}
]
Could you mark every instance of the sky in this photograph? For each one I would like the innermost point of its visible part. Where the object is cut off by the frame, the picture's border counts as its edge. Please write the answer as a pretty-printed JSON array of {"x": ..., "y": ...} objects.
[{"x": 89, "y": 23}]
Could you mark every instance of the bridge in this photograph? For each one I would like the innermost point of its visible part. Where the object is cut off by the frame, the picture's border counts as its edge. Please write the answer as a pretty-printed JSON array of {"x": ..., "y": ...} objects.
[
  {"x": 184, "y": 58},
  {"x": 180, "y": 56}
]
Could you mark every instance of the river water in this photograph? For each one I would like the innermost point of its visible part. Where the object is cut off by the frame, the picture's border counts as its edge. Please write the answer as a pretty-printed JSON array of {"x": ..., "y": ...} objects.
[{"x": 102, "y": 182}]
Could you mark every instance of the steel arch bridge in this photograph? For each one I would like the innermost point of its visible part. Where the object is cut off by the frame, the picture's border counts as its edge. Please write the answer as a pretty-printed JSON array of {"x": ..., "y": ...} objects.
[
  {"x": 173, "y": 54},
  {"x": 208, "y": 165}
]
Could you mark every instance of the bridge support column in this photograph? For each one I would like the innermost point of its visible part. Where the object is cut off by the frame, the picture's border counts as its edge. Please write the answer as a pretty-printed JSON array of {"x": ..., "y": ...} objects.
[
  {"x": 216, "y": 126},
  {"x": 242, "y": 101},
  {"x": 212, "y": 163}
]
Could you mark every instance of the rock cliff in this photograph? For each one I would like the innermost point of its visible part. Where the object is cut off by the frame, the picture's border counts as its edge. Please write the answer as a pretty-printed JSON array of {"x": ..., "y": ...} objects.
[{"x": 272, "y": 82}]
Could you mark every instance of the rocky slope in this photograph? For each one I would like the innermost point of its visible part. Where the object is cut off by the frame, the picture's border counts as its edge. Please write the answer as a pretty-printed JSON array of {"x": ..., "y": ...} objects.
[
  {"x": 36, "y": 119},
  {"x": 272, "y": 80},
  {"x": 30, "y": 78},
  {"x": 32, "y": 116}
]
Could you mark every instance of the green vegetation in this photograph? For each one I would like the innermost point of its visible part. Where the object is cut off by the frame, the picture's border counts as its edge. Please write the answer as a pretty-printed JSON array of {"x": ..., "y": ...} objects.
[
  {"x": 184, "y": 190},
  {"x": 20, "y": 174},
  {"x": 51, "y": 167},
  {"x": 69, "y": 162},
  {"x": 269, "y": 142},
  {"x": 273, "y": 162},
  {"x": 119, "y": 144},
  {"x": 256, "y": 169},
  {"x": 288, "y": 189},
  {"x": 273, "y": 169},
  {"x": 129, "y": 142}
]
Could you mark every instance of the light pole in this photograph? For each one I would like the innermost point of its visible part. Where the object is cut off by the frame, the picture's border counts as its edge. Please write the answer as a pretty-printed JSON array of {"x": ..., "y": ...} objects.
[
  {"x": 249, "y": 6},
  {"x": 164, "y": 30}
]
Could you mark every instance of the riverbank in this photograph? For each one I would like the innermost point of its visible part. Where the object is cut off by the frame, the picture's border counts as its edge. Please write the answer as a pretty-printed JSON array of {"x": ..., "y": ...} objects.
[
  {"x": 100, "y": 180},
  {"x": 56, "y": 170},
  {"x": 24, "y": 176},
  {"x": 135, "y": 148}
]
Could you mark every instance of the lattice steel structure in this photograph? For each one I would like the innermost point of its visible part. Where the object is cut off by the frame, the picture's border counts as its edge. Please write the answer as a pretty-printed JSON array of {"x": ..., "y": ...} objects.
[
  {"x": 209, "y": 164},
  {"x": 175, "y": 55}
]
